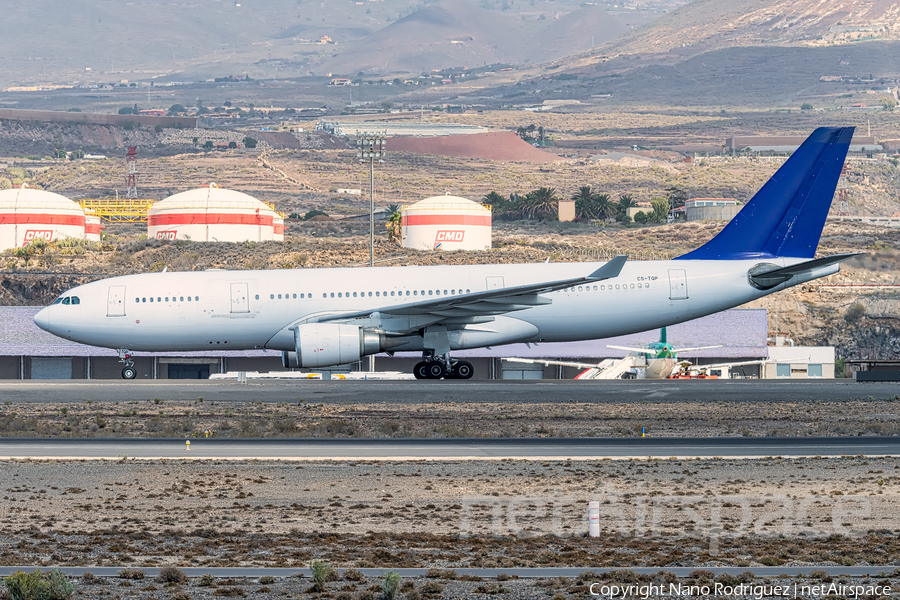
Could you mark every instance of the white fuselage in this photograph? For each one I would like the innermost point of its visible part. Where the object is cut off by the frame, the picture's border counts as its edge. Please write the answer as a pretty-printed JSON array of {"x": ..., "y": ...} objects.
[{"x": 235, "y": 310}]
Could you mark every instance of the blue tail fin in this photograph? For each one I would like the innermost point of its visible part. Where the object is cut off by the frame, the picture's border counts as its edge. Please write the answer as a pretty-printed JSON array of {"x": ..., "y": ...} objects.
[{"x": 786, "y": 216}]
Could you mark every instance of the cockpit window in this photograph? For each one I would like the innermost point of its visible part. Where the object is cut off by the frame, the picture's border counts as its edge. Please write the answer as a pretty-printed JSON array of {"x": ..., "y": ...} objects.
[
  {"x": 76, "y": 300},
  {"x": 57, "y": 301},
  {"x": 66, "y": 300}
]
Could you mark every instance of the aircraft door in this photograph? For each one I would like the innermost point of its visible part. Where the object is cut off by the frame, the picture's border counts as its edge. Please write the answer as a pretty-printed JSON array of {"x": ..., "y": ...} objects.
[
  {"x": 494, "y": 282},
  {"x": 240, "y": 298},
  {"x": 677, "y": 284},
  {"x": 115, "y": 306}
]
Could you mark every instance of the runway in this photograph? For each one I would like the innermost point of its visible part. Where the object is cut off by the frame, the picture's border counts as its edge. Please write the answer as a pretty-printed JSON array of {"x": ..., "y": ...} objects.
[
  {"x": 448, "y": 449},
  {"x": 413, "y": 392}
]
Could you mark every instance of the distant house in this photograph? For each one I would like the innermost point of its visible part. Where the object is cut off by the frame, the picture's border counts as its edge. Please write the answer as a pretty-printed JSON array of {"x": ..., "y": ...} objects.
[
  {"x": 153, "y": 112},
  {"x": 711, "y": 209},
  {"x": 340, "y": 81}
]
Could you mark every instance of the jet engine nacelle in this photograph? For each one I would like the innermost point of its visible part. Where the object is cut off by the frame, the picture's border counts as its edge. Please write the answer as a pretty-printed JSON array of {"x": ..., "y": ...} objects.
[{"x": 329, "y": 344}]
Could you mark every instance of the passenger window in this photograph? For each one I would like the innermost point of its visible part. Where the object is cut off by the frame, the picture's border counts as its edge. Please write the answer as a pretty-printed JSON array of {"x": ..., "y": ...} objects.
[
  {"x": 370, "y": 294},
  {"x": 617, "y": 286},
  {"x": 415, "y": 292},
  {"x": 377, "y": 294},
  {"x": 580, "y": 288},
  {"x": 339, "y": 294},
  {"x": 196, "y": 298},
  {"x": 257, "y": 296},
  {"x": 453, "y": 292},
  {"x": 138, "y": 300},
  {"x": 332, "y": 294},
  {"x": 445, "y": 292},
  {"x": 302, "y": 296},
  {"x": 602, "y": 287},
  {"x": 295, "y": 296},
  {"x": 271, "y": 296},
  {"x": 181, "y": 299},
  {"x": 632, "y": 286},
  {"x": 189, "y": 298},
  {"x": 66, "y": 301},
  {"x": 640, "y": 285},
  {"x": 354, "y": 294},
  {"x": 407, "y": 292},
  {"x": 151, "y": 299},
  {"x": 468, "y": 291},
  {"x": 392, "y": 293},
  {"x": 167, "y": 298},
  {"x": 429, "y": 292},
  {"x": 158, "y": 299}
]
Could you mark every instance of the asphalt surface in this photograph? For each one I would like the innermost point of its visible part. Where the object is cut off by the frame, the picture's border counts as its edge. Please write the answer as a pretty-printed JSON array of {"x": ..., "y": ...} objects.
[
  {"x": 444, "y": 448},
  {"x": 533, "y": 572},
  {"x": 411, "y": 392}
]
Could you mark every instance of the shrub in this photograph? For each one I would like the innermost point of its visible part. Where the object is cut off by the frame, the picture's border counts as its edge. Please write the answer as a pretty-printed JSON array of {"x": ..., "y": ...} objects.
[
  {"x": 322, "y": 572},
  {"x": 855, "y": 312},
  {"x": 267, "y": 580},
  {"x": 354, "y": 575},
  {"x": 135, "y": 574},
  {"x": 36, "y": 585},
  {"x": 391, "y": 585},
  {"x": 171, "y": 574},
  {"x": 206, "y": 580},
  {"x": 431, "y": 588}
]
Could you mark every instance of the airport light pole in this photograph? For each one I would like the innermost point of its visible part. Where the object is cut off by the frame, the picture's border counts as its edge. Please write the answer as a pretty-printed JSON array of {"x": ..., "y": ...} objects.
[{"x": 371, "y": 146}]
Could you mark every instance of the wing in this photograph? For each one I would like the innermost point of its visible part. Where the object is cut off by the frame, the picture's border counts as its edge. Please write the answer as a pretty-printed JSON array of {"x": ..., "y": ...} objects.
[
  {"x": 487, "y": 303},
  {"x": 561, "y": 363},
  {"x": 640, "y": 350},
  {"x": 697, "y": 348}
]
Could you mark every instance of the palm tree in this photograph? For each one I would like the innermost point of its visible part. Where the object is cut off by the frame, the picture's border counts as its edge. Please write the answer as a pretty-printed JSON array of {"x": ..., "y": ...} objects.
[
  {"x": 394, "y": 222},
  {"x": 625, "y": 202},
  {"x": 541, "y": 203},
  {"x": 585, "y": 204},
  {"x": 604, "y": 207}
]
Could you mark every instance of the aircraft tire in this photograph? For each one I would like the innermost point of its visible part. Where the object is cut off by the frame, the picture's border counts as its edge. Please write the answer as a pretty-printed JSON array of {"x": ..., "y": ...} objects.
[
  {"x": 463, "y": 370},
  {"x": 129, "y": 373},
  {"x": 436, "y": 370},
  {"x": 421, "y": 370}
]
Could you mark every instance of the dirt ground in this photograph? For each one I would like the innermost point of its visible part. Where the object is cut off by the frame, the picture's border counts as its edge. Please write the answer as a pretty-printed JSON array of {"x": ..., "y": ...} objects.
[
  {"x": 166, "y": 418},
  {"x": 654, "y": 512}
]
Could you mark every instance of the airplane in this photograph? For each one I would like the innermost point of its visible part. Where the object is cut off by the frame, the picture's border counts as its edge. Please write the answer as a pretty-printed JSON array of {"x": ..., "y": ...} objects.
[
  {"x": 657, "y": 360},
  {"x": 324, "y": 317}
]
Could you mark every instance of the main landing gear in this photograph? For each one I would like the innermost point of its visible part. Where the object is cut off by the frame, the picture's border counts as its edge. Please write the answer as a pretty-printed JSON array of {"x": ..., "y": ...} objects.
[
  {"x": 129, "y": 372},
  {"x": 443, "y": 367}
]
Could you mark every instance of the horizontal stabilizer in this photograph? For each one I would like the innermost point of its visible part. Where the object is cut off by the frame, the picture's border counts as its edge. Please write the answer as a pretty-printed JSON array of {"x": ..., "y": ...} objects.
[{"x": 766, "y": 278}]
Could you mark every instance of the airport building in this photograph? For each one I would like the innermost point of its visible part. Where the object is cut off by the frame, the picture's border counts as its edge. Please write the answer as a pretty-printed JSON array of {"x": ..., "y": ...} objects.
[{"x": 27, "y": 352}]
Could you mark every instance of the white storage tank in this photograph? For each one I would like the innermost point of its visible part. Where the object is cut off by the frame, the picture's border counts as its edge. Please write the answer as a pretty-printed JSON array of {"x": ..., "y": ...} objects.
[
  {"x": 27, "y": 214},
  {"x": 212, "y": 214},
  {"x": 92, "y": 227},
  {"x": 446, "y": 223}
]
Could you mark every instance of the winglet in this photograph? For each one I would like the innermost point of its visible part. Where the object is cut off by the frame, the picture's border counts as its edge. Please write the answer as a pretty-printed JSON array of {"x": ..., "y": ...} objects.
[{"x": 609, "y": 270}]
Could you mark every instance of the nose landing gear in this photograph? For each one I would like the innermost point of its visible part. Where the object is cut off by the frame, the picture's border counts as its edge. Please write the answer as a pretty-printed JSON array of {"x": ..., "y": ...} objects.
[{"x": 129, "y": 372}]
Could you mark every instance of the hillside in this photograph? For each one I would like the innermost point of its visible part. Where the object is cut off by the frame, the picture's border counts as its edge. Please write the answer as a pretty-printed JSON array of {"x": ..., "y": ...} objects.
[
  {"x": 456, "y": 33},
  {"x": 704, "y": 25}
]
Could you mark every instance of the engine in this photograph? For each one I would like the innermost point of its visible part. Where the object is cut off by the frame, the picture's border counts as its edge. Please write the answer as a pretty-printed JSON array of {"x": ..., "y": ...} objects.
[{"x": 328, "y": 344}]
